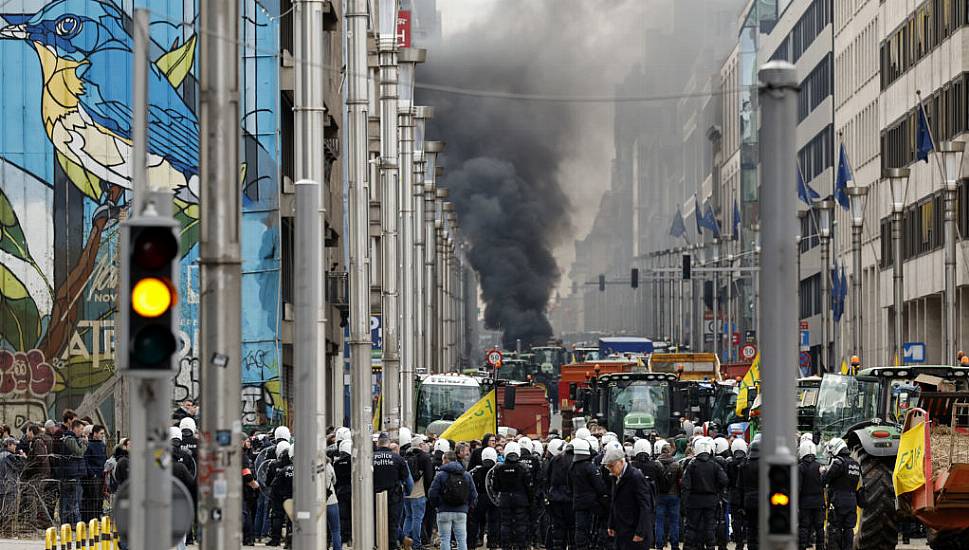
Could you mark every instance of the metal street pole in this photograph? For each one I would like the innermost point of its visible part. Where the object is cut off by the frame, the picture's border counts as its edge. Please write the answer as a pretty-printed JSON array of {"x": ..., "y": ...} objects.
[
  {"x": 682, "y": 339},
  {"x": 671, "y": 297},
  {"x": 825, "y": 209},
  {"x": 390, "y": 213},
  {"x": 857, "y": 196},
  {"x": 220, "y": 315},
  {"x": 717, "y": 324},
  {"x": 898, "y": 182},
  {"x": 730, "y": 331},
  {"x": 430, "y": 261},
  {"x": 951, "y": 152},
  {"x": 149, "y": 403},
  {"x": 778, "y": 99},
  {"x": 422, "y": 114}
]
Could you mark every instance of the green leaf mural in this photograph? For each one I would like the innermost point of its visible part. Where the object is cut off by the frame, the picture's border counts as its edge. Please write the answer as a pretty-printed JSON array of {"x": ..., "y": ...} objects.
[
  {"x": 12, "y": 239},
  {"x": 19, "y": 318}
]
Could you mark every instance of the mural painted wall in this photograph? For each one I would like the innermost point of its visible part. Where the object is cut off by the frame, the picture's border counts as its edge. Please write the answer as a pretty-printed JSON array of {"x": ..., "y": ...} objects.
[{"x": 65, "y": 111}]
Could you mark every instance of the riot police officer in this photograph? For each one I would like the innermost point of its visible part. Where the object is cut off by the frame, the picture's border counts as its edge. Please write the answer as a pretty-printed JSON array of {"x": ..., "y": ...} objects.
[
  {"x": 841, "y": 479},
  {"x": 810, "y": 500},
  {"x": 703, "y": 481},
  {"x": 588, "y": 492},
  {"x": 342, "y": 472},
  {"x": 736, "y": 494},
  {"x": 390, "y": 474},
  {"x": 483, "y": 519},
  {"x": 533, "y": 462},
  {"x": 280, "y": 480},
  {"x": 513, "y": 485},
  {"x": 642, "y": 461},
  {"x": 748, "y": 483},
  {"x": 559, "y": 495}
]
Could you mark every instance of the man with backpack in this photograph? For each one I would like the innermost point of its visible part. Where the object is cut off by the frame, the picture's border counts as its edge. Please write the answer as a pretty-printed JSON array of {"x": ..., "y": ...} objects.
[
  {"x": 668, "y": 497},
  {"x": 453, "y": 493},
  {"x": 415, "y": 503}
]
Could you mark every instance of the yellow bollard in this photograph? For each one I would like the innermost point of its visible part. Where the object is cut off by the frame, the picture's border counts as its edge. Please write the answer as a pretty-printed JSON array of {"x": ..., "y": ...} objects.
[
  {"x": 67, "y": 537},
  {"x": 94, "y": 531},
  {"x": 50, "y": 539},
  {"x": 106, "y": 535},
  {"x": 80, "y": 536}
]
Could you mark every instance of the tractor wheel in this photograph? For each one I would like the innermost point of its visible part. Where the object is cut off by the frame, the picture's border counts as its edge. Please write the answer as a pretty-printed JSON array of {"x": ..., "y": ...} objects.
[
  {"x": 948, "y": 540},
  {"x": 876, "y": 528}
]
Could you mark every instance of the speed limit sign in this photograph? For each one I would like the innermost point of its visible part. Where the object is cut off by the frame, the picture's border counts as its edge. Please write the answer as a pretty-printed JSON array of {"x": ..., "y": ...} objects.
[
  {"x": 748, "y": 352},
  {"x": 494, "y": 357}
]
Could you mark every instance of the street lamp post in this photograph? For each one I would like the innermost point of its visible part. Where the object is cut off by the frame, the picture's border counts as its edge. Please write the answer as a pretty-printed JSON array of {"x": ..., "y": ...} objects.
[
  {"x": 898, "y": 181},
  {"x": 717, "y": 325},
  {"x": 858, "y": 197},
  {"x": 825, "y": 209},
  {"x": 730, "y": 331},
  {"x": 951, "y": 152}
]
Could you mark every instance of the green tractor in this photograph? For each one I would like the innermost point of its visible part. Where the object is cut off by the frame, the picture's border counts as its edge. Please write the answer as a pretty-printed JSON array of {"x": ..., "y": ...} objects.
[{"x": 867, "y": 411}]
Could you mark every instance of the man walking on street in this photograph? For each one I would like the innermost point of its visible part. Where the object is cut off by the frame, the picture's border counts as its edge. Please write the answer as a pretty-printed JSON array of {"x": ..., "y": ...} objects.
[
  {"x": 75, "y": 445},
  {"x": 453, "y": 493},
  {"x": 631, "y": 516}
]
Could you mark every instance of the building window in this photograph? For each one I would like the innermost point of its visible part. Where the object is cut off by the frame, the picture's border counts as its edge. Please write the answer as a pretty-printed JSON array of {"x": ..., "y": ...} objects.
[
  {"x": 810, "y": 296},
  {"x": 945, "y": 109},
  {"x": 815, "y": 88},
  {"x": 816, "y": 156}
]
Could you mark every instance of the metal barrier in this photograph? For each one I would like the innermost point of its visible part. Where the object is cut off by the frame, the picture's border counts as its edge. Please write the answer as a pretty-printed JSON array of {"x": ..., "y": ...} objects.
[{"x": 94, "y": 535}]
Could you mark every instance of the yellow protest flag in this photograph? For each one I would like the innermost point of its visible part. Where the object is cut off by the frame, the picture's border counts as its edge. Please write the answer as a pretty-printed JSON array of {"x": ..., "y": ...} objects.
[
  {"x": 909, "y": 473},
  {"x": 751, "y": 379},
  {"x": 476, "y": 421},
  {"x": 844, "y": 367},
  {"x": 376, "y": 414}
]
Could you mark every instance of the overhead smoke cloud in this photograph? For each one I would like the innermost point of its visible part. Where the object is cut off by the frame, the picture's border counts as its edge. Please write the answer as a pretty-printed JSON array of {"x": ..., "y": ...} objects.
[{"x": 513, "y": 165}]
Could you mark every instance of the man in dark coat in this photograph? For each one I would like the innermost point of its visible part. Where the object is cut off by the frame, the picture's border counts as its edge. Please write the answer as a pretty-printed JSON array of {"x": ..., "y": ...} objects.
[
  {"x": 95, "y": 456},
  {"x": 703, "y": 482},
  {"x": 842, "y": 481},
  {"x": 633, "y": 507},
  {"x": 810, "y": 500},
  {"x": 559, "y": 496},
  {"x": 588, "y": 492}
]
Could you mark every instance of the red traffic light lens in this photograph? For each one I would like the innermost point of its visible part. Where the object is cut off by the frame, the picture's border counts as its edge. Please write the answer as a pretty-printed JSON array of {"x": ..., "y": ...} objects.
[
  {"x": 154, "y": 247},
  {"x": 152, "y": 345}
]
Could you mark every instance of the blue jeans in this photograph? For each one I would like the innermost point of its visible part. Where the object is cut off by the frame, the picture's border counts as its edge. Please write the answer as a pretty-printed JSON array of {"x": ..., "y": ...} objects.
[
  {"x": 456, "y": 521},
  {"x": 668, "y": 518},
  {"x": 414, "y": 518},
  {"x": 70, "y": 501},
  {"x": 333, "y": 525}
]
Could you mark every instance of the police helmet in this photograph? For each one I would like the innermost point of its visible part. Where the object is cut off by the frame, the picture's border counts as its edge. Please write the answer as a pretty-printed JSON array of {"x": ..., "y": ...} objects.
[
  {"x": 174, "y": 433},
  {"x": 659, "y": 446},
  {"x": 613, "y": 446},
  {"x": 593, "y": 444},
  {"x": 703, "y": 445},
  {"x": 720, "y": 445},
  {"x": 836, "y": 446},
  {"x": 404, "y": 436},
  {"x": 526, "y": 444},
  {"x": 282, "y": 433},
  {"x": 806, "y": 448},
  {"x": 345, "y": 446},
  {"x": 738, "y": 445},
  {"x": 641, "y": 446},
  {"x": 537, "y": 448},
  {"x": 556, "y": 446},
  {"x": 583, "y": 433},
  {"x": 581, "y": 447},
  {"x": 609, "y": 436},
  {"x": 513, "y": 449},
  {"x": 188, "y": 423},
  {"x": 806, "y": 436},
  {"x": 442, "y": 445},
  {"x": 343, "y": 433},
  {"x": 291, "y": 451},
  {"x": 281, "y": 448},
  {"x": 489, "y": 453}
]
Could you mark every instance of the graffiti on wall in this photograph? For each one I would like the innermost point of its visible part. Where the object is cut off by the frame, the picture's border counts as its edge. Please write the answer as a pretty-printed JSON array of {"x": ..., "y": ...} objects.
[{"x": 65, "y": 153}]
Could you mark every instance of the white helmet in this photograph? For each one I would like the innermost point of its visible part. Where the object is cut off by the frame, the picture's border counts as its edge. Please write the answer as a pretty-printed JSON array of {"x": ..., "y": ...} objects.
[
  {"x": 613, "y": 445},
  {"x": 291, "y": 451},
  {"x": 442, "y": 445},
  {"x": 555, "y": 446},
  {"x": 513, "y": 449},
  {"x": 489, "y": 453},
  {"x": 538, "y": 449},
  {"x": 282, "y": 432},
  {"x": 720, "y": 445},
  {"x": 659, "y": 446},
  {"x": 581, "y": 447},
  {"x": 703, "y": 445},
  {"x": 835, "y": 446},
  {"x": 806, "y": 436},
  {"x": 404, "y": 436},
  {"x": 593, "y": 444},
  {"x": 609, "y": 436},
  {"x": 806, "y": 448},
  {"x": 583, "y": 433},
  {"x": 641, "y": 446},
  {"x": 174, "y": 433},
  {"x": 738, "y": 445},
  {"x": 343, "y": 433},
  {"x": 629, "y": 449},
  {"x": 526, "y": 444},
  {"x": 281, "y": 448},
  {"x": 187, "y": 423},
  {"x": 345, "y": 446}
]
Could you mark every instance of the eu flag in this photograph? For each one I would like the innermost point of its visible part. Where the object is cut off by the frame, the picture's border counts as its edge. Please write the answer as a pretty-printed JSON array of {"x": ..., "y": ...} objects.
[
  {"x": 709, "y": 220},
  {"x": 923, "y": 137},
  {"x": 804, "y": 191},
  {"x": 698, "y": 215},
  {"x": 844, "y": 176},
  {"x": 678, "y": 229}
]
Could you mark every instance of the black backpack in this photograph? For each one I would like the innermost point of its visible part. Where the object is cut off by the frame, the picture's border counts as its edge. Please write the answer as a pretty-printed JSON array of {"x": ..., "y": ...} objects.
[
  {"x": 456, "y": 490},
  {"x": 416, "y": 472},
  {"x": 666, "y": 480}
]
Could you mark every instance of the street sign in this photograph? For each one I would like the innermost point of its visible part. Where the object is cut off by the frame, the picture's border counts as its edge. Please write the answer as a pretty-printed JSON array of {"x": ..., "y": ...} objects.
[
  {"x": 494, "y": 357},
  {"x": 735, "y": 340},
  {"x": 913, "y": 352},
  {"x": 748, "y": 352},
  {"x": 709, "y": 326},
  {"x": 182, "y": 511},
  {"x": 751, "y": 336},
  {"x": 805, "y": 325},
  {"x": 805, "y": 340},
  {"x": 805, "y": 360}
]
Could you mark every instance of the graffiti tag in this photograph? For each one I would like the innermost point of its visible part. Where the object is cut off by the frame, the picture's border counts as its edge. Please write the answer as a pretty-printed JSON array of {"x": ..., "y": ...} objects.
[{"x": 25, "y": 373}]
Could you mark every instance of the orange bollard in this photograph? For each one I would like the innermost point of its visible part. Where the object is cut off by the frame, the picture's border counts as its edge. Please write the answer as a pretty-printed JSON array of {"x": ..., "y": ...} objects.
[
  {"x": 50, "y": 538},
  {"x": 67, "y": 537}
]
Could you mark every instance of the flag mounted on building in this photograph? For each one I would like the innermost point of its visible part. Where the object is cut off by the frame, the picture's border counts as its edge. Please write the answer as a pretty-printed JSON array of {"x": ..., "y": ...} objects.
[
  {"x": 736, "y": 219},
  {"x": 709, "y": 220},
  {"x": 804, "y": 191},
  {"x": 678, "y": 229},
  {"x": 923, "y": 136},
  {"x": 843, "y": 178},
  {"x": 698, "y": 215},
  {"x": 835, "y": 293}
]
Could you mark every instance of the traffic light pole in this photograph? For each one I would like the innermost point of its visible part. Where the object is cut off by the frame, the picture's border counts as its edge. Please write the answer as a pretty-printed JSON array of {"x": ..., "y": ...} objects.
[
  {"x": 778, "y": 481},
  {"x": 220, "y": 274}
]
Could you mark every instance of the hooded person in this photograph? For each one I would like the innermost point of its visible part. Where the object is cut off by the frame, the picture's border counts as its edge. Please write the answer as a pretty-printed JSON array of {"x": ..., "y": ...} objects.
[
  {"x": 483, "y": 519},
  {"x": 810, "y": 499},
  {"x": 703, "y": 482},
  {"x": 589, "y": 492},
  {"x": 513, "y": 485},
  {"x": 559, "y": 495}
]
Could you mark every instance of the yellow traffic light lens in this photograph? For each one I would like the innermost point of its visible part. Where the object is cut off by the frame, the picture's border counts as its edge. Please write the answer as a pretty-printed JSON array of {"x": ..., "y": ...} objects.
[
  {"x": 151, "y": 297},
  {"x": 779, "y": 499}
]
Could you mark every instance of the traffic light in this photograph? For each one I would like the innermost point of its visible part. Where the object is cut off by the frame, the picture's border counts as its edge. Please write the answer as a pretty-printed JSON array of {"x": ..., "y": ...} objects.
[
  {"x": 686, "y": 266},
  {"x": 147, "y": 334},
  {"x": 780, "y": 500},
  {"x": 634, "y": 278},
  {"x": 602, "y": 283}
]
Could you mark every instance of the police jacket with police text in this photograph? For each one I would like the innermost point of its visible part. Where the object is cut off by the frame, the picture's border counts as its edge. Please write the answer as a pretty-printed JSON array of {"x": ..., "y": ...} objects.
[
  {"x": 810, "y": 488},
  {"x": 589, "y": 490},
  {"x": 632, "y": 505},
  {"x": 513, "y": 483},
  {"x": 841, "y": 479},
  {"x": 390, "y": 473},
  {"x": 703, "y": 481}
]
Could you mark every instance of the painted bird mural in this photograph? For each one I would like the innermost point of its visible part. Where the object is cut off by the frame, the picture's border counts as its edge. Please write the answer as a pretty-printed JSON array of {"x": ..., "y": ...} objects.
[{"x": 85, "y": 53}]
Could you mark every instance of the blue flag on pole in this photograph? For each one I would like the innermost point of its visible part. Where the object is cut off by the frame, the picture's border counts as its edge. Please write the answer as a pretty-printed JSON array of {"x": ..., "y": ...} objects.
[
  {"x": 678, "y": 229},
  {"x": 698, "y": 214},
  {"x": 923, "y": 136},
  {"x": 843, "y": 177},
  {"x": 804, "y": 191},
  {"x": 844, "y": 289},
  {"x": 736, "y": 219},
  {"x": 835, "y": 293},
  {"x": 709, "y": 220}
]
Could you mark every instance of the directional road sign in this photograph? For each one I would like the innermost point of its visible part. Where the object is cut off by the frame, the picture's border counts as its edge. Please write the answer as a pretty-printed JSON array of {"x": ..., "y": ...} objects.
[{"x": 913, "y": 352}]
